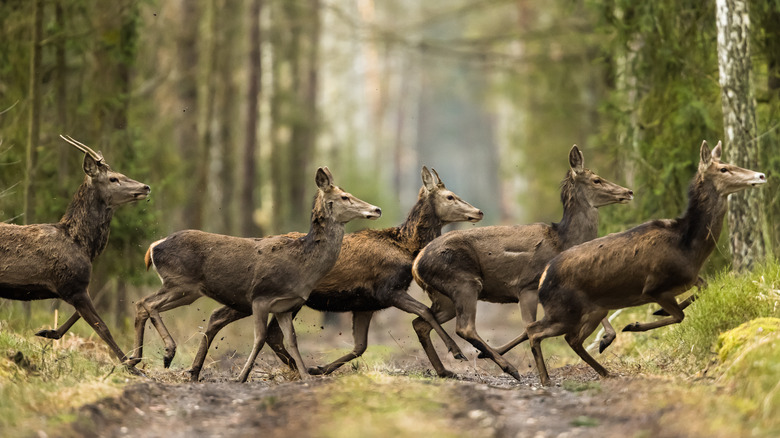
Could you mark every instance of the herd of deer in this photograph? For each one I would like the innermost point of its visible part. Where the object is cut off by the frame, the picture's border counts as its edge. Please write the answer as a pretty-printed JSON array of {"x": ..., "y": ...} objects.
[{"x": 576, "y": 276}]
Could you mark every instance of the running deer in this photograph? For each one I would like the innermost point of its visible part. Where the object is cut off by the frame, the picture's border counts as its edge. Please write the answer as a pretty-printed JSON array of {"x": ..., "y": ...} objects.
[
  {"x": 43, "y": 261},
  {"x": 651, "y": 263},
  {"x": 373, "y": 273},
  {"x": 254, "y": 276},
  {"x": 502, "y": 264}
]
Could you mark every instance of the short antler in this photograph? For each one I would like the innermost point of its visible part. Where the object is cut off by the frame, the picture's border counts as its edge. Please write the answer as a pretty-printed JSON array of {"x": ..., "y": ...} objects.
[{"x": 82, "y": 147}]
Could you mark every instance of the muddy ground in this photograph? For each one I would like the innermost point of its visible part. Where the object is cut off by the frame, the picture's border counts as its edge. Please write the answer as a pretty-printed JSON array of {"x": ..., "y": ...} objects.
[
  {"x": 481, "y": 402},
  {"x": 483, "y": 406}
]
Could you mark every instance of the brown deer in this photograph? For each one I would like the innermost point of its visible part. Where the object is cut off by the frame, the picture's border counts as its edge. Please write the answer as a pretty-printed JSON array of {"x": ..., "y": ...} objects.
[
  {"x": 257, "y": 276},
  {"x": 502, "y": 264},
  {"x": 373, "y": 272},
  {"x": 651, "y": 263},
  {"x": 43, "y": 261}
]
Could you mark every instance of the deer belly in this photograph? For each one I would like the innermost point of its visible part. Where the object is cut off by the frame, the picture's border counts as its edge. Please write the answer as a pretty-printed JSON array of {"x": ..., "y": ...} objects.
[{"x": 26, "y": 292}]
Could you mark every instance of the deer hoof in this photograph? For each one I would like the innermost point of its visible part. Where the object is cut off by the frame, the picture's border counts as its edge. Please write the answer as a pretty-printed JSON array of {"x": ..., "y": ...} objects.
[
  {"x": 459, "y": 355},
  {"x": 317, "y": 371},
  {"x": 447, "y": 374},
  {"x": 167, "y": 361},
  {"x": 194, "y": 374},
  {"x": 514, "y": 374},
  {"x": 49, "y": 334},
  {"x": 605, "y": 342},
  {"x": 631, "y": 327}
]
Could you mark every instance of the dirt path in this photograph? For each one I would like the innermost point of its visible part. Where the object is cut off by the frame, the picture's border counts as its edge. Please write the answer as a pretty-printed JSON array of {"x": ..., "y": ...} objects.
[{"x": 578, "y": 405}]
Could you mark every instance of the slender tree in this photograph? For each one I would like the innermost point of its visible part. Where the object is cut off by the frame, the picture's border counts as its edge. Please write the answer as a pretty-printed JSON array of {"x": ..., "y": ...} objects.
[
  {"x": 249, "y": 162},
  {"x": 739, "y": 123}
]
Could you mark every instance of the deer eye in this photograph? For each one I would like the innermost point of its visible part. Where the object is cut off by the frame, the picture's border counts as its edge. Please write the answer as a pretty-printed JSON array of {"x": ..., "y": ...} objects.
[
  {"x": 450, "y": 198},
  {"x": 723, "y": 170},
  {"x": 113, "y": 179},
  {"x": 345, "y": 198},
  {"x": 596, "y": 181}
]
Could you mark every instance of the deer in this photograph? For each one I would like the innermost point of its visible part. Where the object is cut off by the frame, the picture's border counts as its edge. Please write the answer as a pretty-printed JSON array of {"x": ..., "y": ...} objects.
[
  {"x": 254, "y": 276},
  {"x": 45, "y": 261},
  {"x": 651, "y": 263},
  {"x": 373, "y": 272},
  {"x": 503, "y": 263}
]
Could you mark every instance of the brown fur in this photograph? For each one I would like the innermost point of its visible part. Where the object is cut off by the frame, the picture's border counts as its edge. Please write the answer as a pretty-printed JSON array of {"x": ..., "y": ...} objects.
[
  {"x": 255, "y": 276},
  {"x": 45, "y": 261},
  {"x": 653, "y": 262},
  {"x": 374, "y": 269},
  {"x": 502, "y": 264}
]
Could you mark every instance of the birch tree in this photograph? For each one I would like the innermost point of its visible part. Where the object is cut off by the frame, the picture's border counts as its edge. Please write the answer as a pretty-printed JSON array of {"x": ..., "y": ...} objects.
[{"x": 739, "y": 124}]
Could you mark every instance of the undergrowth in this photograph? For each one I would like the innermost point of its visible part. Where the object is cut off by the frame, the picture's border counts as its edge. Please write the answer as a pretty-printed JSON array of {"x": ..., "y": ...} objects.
[{"x": 43, "y": 381}]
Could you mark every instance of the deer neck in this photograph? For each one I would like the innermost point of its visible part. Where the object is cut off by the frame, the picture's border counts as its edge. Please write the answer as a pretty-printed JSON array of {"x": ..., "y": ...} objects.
[
  {"x": 580, "y": 223},
  {"x": 324, "y": 238},
  {"x": 703, "y": 219},
  {"x": 421, "y": 225},
  {"x": 87, "y": 220}
]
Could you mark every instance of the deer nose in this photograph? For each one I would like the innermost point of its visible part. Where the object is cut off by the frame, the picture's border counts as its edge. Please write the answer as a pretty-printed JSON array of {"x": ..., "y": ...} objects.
[
  {"x": 480, "y": 214},
  {"x": 378, "y": 211},
  {"x": 148, "y": 189},
  {"x": 762, "y": 177},
  {"x": 630, "y": 193}
]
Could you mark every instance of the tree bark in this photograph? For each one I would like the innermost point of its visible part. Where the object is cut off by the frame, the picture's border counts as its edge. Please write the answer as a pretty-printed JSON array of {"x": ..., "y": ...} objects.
[
  {"x": 187, "y": 93},
  {"x": 746, "y": 226},
  {"x": 249, "y": 170}
]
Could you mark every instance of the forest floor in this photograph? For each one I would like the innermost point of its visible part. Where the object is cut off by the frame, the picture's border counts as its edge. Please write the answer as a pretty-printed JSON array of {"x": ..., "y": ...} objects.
[
  {"x": 396, "y": 403},
  {"x": 391, "y": 392}
]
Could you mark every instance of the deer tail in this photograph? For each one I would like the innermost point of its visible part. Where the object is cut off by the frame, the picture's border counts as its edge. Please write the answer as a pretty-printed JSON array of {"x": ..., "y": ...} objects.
[{"x": 149, "y": 257}]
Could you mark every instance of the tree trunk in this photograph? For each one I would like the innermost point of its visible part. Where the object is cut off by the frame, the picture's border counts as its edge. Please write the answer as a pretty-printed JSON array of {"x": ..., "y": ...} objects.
[
  {"x": 187, "y": 91},
  {"x": 33, "y": 123},
  {"x": 34, "y": 119},
  {"x": 249, "y": 170},
  {"x": 746, "y": 226}
]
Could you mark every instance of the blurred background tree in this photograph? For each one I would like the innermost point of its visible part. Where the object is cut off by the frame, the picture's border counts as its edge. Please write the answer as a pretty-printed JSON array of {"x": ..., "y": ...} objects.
[{"x": 226, "y": 108}]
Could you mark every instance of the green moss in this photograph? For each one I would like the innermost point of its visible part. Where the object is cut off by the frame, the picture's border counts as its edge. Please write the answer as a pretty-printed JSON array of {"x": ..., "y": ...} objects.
[{"x": 734, "y": 341}]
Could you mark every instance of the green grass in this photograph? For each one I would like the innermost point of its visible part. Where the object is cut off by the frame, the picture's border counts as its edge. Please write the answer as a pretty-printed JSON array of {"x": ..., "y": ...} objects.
[
  {"x": 377, "y": 405},
  {"x": 43, "y": 381},
  {"x": 747, "y": 370}
]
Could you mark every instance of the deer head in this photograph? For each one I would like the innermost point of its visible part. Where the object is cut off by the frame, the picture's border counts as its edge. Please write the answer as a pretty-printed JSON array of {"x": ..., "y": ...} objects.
[
  {"x": 343, "y": 206},
  {"x": 113, "y": 187},
  {"x": 726, "y": 178},
  {"x": 449, "y": 207},
  {"x": 596, "y": 190}
]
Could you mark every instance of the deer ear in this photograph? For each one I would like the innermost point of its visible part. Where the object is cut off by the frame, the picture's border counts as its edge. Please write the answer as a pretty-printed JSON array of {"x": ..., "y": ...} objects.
[
  {"x": 323, "y": 178},
  {"x": 576, "y": 160},
  {"x": 91, "y": 167},
  {"x": 706, "y": 155},
  {"x": 427, "y": 179},
  {"x": 717, "y": 151},
  {"x": 437, "y": 180}
]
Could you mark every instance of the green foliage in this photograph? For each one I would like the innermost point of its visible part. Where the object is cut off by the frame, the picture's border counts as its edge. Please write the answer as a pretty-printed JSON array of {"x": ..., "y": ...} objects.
[
  {"x": 43, "y": 381},
  {"x": 727, "y": 302}
]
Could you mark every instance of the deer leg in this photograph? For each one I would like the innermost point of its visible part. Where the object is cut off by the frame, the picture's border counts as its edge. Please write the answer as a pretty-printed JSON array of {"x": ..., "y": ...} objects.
[
  {"x": 260, "y": 310},
  {"x": 219, "y": 319},
  {"x": 700, "y": 284},
  {"x": 576, "y": 338},
  {"x": 167, "y": 298},
  {"x": 275, "y": 340},
  {"x": 465, "y": 327},
  {"x": 360, "y": 323},
  {"x": 443, "y": 310},
  {"x": 291, "y": 342},
  {"x": 405, "y": 302},
  {"x": 668, "y": 303},
  {"x": 60, "y": 331},
  {"x": 609, "y": 335},
  {"x": 538, "y": 331},
  {"x": 86, "y": 309},
  {"x": 529, "y": 304}
]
